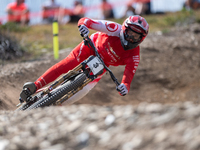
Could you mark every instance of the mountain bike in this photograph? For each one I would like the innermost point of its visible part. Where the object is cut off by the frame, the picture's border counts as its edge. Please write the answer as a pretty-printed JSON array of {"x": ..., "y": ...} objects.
[{"x": 70, "y": 83}]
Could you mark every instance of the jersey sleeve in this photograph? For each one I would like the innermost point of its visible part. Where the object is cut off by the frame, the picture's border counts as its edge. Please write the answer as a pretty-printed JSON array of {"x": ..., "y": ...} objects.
[
  {"x": 108, "y": 27},
  {"x": 130, "y": 68}
]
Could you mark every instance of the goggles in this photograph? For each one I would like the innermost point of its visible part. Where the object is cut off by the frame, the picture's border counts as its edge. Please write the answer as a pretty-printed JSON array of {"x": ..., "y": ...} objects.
[{"x": 132, "y": 36}]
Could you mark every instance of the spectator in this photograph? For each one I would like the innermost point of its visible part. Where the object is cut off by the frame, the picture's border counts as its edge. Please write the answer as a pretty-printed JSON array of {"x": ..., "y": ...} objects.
[
  {"x": 138, "y": 7},
  {"x": 107, "y": 10},
  {"x": 50, "y": 11},
  {"x": 73, "y": 15},
  {"x": 77, "y": 12},
  {"x": 192, "y": 4},
  {"x": 18, "y": 12}
]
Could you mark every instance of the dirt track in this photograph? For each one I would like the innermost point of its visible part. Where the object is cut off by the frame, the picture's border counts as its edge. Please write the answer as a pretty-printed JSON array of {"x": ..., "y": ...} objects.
[{"x": 168, "y": 73}]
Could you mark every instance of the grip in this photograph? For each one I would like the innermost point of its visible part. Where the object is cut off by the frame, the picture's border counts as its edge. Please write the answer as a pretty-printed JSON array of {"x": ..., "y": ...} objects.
[{"x": 81, "y": 33}]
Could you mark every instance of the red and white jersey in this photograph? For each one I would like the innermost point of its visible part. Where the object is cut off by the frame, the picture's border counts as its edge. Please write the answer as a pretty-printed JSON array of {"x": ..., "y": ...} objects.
[{"x": 108, "y": 44}]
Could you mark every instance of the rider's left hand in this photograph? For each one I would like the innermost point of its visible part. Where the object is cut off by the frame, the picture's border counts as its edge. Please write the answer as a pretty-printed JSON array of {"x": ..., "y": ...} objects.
[{"x": 122, "y": 89}]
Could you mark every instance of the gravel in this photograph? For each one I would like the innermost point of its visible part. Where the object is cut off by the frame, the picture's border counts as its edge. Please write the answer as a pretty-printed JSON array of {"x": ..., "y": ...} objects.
[{"x": 145, "y": 126}]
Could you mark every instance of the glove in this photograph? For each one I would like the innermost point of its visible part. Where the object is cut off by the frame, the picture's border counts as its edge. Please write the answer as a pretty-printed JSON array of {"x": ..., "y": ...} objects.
[
  {"x": 122, "y": 89},
  {"x": 29, "y": 88},
  {"x": 83, "y": 30}
]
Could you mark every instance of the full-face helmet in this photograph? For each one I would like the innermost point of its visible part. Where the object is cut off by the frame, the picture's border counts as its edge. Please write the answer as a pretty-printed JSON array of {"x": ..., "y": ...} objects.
[{"x": 134, "y": 31}]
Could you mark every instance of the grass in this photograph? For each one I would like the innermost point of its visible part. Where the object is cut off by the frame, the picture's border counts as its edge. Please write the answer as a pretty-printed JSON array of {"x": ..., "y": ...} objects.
[
  {"x": 164, "y": 22},
  {"x": 38, "y": 39}
]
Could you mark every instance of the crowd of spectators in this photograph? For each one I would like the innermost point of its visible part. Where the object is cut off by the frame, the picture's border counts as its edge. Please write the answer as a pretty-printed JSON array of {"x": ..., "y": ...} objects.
[
  {"x": 18, "y": 12},
  {"x": 51, "y": 10}
]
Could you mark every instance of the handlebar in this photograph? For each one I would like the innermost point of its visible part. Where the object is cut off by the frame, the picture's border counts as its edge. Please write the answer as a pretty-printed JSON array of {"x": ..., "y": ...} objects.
[{"x": 90, "y": 44}]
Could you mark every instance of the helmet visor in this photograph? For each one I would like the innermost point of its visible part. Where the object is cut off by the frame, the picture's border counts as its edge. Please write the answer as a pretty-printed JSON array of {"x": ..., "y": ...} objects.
[{"x": 132, "y": 36}]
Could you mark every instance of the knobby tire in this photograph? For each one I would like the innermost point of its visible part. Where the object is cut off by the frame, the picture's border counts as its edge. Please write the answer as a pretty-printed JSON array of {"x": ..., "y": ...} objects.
[{"x": 59, "y": 92}]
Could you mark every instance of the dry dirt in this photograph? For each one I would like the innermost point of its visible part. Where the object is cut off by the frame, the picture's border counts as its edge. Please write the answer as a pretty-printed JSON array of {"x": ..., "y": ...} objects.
[{"x": 169, "y": 72}]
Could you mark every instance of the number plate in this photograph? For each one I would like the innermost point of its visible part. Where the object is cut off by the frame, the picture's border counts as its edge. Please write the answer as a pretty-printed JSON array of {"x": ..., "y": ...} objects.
[{"x": 95, "y": 65}]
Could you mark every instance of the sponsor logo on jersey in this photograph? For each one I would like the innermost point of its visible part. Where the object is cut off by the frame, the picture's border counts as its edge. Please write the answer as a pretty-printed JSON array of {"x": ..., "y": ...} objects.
[
  {"x": 112, "y": 51},
  {"x": 112, "y": 27},
  {"x": 79, "y": 54},
  {"x": 112, "y": 57},
  {"x": 136, "y": 61}
]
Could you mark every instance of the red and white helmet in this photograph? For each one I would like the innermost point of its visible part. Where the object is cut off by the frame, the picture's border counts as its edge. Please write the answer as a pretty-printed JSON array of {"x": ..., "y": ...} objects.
[{"x": 136, "y": 24}]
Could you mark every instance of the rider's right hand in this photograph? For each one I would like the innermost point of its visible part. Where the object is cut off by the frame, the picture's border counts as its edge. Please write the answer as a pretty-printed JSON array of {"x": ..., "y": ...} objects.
[
  {"x": 84, "y": 31},
  {"x": 29, "y": 88}
]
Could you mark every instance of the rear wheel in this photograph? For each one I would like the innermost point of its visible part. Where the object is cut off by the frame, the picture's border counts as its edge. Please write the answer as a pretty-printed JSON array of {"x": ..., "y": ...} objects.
[{"x": 60, "y": 91}]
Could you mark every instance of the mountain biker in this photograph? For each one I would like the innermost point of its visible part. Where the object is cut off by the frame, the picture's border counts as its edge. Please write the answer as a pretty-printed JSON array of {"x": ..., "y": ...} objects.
[{"x": 117, "y": 45}]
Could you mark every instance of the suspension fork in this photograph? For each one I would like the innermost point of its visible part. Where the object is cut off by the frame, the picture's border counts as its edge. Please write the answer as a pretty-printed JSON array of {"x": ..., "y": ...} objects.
[
  {"x": 63, "y": 78},
  {"x": 73, "y": 92}
]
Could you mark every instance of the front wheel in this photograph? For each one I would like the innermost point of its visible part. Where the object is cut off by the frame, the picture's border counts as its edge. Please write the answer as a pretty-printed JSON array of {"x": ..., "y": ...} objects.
[{"x": 59, "y": 92}]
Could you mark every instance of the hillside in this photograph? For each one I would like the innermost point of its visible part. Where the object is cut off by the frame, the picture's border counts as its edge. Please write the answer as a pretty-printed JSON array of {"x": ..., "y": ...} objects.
[{"x": 161, "y": 110}]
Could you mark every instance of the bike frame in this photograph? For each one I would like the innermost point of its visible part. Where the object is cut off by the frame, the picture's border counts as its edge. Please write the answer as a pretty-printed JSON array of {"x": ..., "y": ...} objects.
[{"x": 89, "y": 43}]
